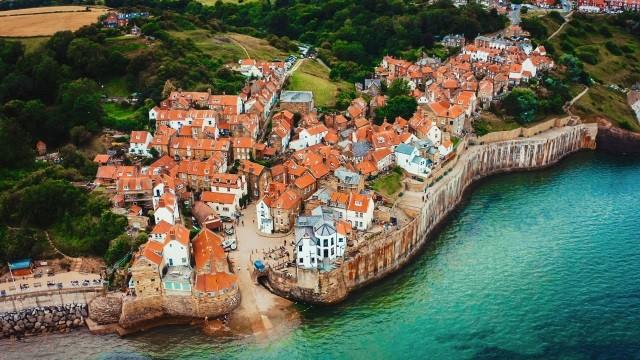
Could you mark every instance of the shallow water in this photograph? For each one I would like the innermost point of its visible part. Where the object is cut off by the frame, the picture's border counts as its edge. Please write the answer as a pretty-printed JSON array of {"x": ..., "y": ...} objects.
[{"x": 534, "y": 265}]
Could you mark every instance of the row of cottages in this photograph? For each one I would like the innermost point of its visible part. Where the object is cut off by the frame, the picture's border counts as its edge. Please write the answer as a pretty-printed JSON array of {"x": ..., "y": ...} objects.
[
  {"x": 607, "y": 5},
  {"x": 282, "y": 125},
  {"x": 451, "y": 92},
  {"x": 291, "y": 183},
  {"x": 212, "y": 273},
  {"x": 163, "y": 265}
]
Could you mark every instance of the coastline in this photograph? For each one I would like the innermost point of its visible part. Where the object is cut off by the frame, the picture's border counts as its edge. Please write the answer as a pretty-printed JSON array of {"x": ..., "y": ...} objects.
[
  {"x": 390, "y": 252},
  {"x": 284, "y": 312}
]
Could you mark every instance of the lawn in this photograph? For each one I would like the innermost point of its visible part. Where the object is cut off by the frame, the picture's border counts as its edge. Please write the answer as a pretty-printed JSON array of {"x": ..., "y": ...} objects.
[
  {"x": 227, "y": 47},
  {"x": 121, "y": 117},
  {"x": 388, "y": 184},
  {"x": 116, "y": 87},
  {"x": 127, "y": 45},
  {"x": 490, "y": 122},
  {"x": 312, "y": 76}
]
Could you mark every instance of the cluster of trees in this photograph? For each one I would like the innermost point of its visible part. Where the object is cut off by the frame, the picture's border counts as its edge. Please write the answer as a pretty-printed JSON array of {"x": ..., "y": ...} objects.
[
  {"x": 537, "y": 101},
  {"x": 400, "y": 103},
  {"x": 51, "y": 93},
  {"x": 350, "y": 35},
  {"x": 79, "y": 221}
]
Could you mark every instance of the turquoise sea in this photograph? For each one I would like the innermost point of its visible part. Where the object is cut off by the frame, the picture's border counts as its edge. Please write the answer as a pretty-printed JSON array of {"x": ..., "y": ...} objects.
[{"x": 536, "y": 265}]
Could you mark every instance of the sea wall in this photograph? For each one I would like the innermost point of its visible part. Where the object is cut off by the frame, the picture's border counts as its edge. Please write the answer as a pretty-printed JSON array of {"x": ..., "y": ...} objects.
[
  {"x": 387, "y": 252},
  {"x": 42, "y": 320},
  {"x": 136, "y": 310}
]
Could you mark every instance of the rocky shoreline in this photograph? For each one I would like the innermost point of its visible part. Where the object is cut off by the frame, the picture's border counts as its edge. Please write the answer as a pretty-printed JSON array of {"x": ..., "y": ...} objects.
[
  {"x": 616, "y": 140},
  {"x": 43, "y": 320}
]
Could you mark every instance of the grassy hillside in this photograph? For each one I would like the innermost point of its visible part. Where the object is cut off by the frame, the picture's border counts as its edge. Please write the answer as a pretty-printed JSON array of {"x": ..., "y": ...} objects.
[
  {"x": 312, "y": 76},
  {"x": 611, "y": 56},
  {"x": 229, "y": 47}
]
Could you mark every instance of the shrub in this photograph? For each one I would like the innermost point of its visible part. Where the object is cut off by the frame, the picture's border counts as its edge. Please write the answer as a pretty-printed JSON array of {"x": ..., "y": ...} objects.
[
  {"x": 613, "y": 48},
  {"x": 604, "y": 31}
]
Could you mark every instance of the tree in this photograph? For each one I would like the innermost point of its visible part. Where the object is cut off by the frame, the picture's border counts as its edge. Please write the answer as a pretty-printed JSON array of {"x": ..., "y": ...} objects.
[
  {"x": 16, "y": 148},
  {"x": 522, "y": 104},
  {"x": 398, "y": 87},
  {"x": 80, "y": 101},
  {"x": 118, "y": 248},
  {"x": 403, "y": 106},
  {"x": 87, "y": 57}
]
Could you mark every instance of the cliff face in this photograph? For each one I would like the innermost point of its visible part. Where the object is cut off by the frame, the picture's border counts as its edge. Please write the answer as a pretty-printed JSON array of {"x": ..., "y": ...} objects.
[
  {"x": 617, "y": 140},
  {"x": 389, "y": 251}
]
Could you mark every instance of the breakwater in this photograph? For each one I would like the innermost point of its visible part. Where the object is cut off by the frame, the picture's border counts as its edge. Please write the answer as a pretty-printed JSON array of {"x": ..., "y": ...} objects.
[
  {"x": 43, "y": 320},
  {"x": 381, "y": 255}
]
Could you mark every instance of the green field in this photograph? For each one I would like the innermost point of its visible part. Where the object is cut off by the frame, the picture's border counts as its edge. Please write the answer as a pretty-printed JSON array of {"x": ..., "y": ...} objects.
[
  {"x": 388, "y": 184},
  {"x": 127, "y": 45},
  {"x": 312, "y": 76},
  {"x": 228, "y": 47}
]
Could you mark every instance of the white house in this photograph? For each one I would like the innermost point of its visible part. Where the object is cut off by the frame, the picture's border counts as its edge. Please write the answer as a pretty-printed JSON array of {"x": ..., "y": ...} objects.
[
  {"x": 446, "y": 147},
  {"x": 434, "y": 134},
  {"x": 383, "y": 158},
  {"x": 176, "y": 250},
  {"x": 249, "y": 68},
  {"x": 309, "y": 137},
  {"x": 408, "y": 158},
  {"x": 167, "y": 209},
  {"x": 263, "y": 217},
  {"x": 139, "y": 143},
  {"x": 229, "y": 184},
  {"x": 356, "y": 209},
  {"x": 225, "y": 204},
  {"x": 320, "y": 239}
]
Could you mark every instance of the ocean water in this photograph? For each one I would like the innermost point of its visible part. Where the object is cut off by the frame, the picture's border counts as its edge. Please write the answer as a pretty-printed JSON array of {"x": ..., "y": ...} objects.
[{"x": 536, "y": 265}]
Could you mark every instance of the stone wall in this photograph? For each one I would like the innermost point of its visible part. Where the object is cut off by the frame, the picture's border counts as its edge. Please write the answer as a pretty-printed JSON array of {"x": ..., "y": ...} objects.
[
  {"x": 139, "y": 310},
  {"x": 136, "y": 310},
  {"x": 524, "y": 131},
  {"x": 43, "y": 320},
  {"x": 381, "y": 255}
]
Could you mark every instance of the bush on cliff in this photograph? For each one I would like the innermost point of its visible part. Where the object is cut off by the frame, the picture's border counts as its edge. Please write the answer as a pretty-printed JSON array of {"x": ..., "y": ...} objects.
[{"x": 521, "y": 103}]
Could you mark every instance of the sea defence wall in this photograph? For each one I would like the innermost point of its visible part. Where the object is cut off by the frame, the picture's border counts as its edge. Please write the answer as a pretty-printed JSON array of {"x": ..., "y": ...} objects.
[
  {"x": 384, "y": 253},
  {"x": 42, "y": 320},
  {"x": 130, "y": 312}
]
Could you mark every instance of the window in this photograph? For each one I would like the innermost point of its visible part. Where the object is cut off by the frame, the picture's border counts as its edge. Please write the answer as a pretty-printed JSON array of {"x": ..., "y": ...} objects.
[
  {"x": 300, "y": 248},
  {"x": 318, "y": 252},
  {"x": 184, "y": 260},
  {"x": 332, "y": 242},
  {"x": 333, "y": 252},
  {"x": 326, "y": 253},
  {"x": 326, "y": 242},
  {"x": 170, "y": 262},
  {"x": 300, "y": 260}
]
